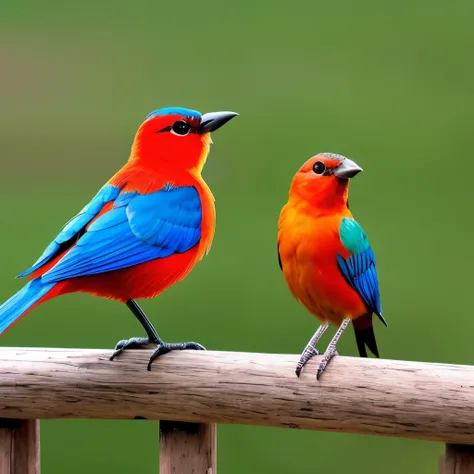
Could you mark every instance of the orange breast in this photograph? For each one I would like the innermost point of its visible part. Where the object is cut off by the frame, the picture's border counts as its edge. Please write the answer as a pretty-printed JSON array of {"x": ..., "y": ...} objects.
[{"x": 308, "y": 246}]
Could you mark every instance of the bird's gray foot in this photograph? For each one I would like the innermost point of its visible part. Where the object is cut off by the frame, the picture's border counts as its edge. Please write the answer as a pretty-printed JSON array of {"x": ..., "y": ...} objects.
[
  {"x": 330, "y": 352},
  {"x": 308, "y": 353},
  {"x": 310, "y": 350},
  {"x": 328, "y": 355}
]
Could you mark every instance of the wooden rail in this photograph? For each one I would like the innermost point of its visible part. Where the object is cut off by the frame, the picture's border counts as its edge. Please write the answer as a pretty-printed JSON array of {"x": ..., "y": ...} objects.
[{"x": 366, "y": 396}]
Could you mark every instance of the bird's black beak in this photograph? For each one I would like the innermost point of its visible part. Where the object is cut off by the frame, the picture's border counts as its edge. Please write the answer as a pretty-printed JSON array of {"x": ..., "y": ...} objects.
[
  {"x": 347, "y": 169},
  {"x": 214, "y": 120}
]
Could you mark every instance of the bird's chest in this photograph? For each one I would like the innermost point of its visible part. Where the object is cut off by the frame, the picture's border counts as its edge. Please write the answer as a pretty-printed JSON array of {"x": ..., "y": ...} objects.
[
  {"x": 308, "y": 249},
  {"x": 208, "y": 219}
]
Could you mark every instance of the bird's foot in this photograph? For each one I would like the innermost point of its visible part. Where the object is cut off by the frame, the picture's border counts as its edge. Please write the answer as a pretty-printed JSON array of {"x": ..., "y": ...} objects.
[
  {"x": 328, "y": 355},
  {"x": 132, "y": 343},
  {"x": 164, "y": 348},
  {"x": 161, "y": 347},
  {"x": 308, "y": 353}
]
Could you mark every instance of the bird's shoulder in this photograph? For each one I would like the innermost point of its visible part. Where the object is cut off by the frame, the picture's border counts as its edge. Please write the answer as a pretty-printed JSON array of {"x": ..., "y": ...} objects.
[{"x": 353, "y": 236}]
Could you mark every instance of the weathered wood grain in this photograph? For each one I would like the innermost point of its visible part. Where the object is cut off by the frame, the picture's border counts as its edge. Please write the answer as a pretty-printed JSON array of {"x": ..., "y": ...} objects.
[
  {"x": 368, "y": 396},
  {"x": 19, "y": 446},
  {"x": 188, "y": 448},
  {"x": 457, "y": 459}
]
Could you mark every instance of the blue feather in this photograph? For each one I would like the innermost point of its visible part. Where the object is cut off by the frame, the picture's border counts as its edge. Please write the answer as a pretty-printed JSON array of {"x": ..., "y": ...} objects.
[
  {"x": 179, "y": 211},
  {"x": 139, "y": 228},
  {"x": 174, "y": 111},
  {"x": 13, "y": 309},
  {"x": 359, "y": 269},
  {"x": 125, "y": 198},
  {"x": 76, "y": 224}
]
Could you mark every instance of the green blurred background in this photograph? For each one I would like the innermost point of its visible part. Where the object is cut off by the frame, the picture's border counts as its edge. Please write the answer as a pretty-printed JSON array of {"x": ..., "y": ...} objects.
[{"x": 388, "y": 84}]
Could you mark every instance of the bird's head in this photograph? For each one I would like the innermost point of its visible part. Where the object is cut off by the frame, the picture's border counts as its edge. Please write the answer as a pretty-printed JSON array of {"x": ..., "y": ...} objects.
[
  {"x": 177, "y": 137},
  {"x": 324, "y": 180}
]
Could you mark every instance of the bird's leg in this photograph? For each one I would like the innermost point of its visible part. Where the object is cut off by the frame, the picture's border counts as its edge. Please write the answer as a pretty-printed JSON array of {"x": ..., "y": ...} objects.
[
  {"x": 138, "y": 342},
  {"x": 330, "y": 352},
  {"x": 153, "y": 338},
  {"x": 310, "y": 350}
]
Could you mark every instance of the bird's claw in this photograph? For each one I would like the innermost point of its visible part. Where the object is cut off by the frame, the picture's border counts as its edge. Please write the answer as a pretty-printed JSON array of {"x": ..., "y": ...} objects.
[
  {"x": 161, "y": 347},
  {"x": 324, "y": 363},
  {"x": 164, "y": 348},
  {"x": 132, "y": 343},
  {"x": 306, "y": 356}
]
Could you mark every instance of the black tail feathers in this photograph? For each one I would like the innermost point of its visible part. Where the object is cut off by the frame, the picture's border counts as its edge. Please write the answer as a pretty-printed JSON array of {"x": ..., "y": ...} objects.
[{"x": 365, "y": 337}]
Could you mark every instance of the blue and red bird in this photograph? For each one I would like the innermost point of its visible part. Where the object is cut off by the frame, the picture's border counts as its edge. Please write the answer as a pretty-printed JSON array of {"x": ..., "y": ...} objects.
[{"x": 141, "y": 233}]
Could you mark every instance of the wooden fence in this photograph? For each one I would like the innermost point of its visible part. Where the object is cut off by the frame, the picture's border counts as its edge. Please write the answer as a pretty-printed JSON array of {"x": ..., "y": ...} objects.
[{"x": 194, "y": 391}]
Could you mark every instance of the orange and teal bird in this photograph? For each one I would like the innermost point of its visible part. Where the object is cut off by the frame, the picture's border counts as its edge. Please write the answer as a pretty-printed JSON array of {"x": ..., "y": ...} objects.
[
  {"x": 142, "y": 232},
  {"x": 325, "y": 255}
]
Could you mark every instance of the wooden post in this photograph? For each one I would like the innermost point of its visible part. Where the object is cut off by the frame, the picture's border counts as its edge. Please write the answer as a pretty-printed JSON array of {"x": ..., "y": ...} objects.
[
  {"x": 188, "y": 448},
  {"x": 19, "y": 446},
  {"x": 457, "y": 459}
]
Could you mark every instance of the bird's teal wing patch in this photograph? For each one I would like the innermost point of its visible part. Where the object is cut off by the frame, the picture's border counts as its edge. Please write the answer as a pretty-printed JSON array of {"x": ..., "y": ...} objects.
[
  {"x": 353, "y": 236},
  {"x": 359, "y": 269},
  {"x": 74, "y": 227},
  {"x": 138, "y": 228}
]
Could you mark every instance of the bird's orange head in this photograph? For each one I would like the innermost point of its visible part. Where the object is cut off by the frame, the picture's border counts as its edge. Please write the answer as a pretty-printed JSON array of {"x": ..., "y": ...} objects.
[
  {"x": 323, "y": 181},
  {"x": 175, "y": 137}
]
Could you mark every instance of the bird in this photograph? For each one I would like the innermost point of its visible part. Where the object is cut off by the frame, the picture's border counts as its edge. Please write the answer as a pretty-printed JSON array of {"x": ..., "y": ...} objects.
[
  {"x": 325, "y": 256},
  {"x": 141, "y": 233}
]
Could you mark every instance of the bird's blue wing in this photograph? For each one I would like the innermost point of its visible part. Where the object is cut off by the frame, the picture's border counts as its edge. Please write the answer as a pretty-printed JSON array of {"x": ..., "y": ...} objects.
[
  {"x": 72, "y": 228},
  {"x": 359, "y": 269},
  {"x": 138, "y": 228}
]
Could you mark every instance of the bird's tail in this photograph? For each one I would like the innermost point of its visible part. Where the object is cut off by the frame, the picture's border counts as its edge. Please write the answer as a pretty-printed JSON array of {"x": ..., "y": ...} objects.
[
  {"x": 365, "y": 336},
  {"x": 22, "y": 302}
]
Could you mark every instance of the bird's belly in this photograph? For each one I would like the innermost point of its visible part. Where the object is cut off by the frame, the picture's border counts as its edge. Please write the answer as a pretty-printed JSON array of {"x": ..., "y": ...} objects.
[
  {"x": 140, "y": 281},
  {"x": 313, "y": 277}
]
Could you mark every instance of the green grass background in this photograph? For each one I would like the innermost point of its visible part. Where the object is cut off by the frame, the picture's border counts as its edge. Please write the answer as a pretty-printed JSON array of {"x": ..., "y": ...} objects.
[{"x": 388, "y": 84}]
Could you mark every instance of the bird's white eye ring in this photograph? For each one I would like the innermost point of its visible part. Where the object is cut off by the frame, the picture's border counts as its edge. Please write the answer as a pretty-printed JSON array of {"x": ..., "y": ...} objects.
[{"x": 180, "y": 128}]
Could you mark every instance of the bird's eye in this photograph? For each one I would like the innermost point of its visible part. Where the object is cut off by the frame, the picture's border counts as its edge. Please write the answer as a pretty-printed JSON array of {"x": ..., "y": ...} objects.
[
  {"x": 319, "y": 167},
  {"x": 180, "y": 128}
]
